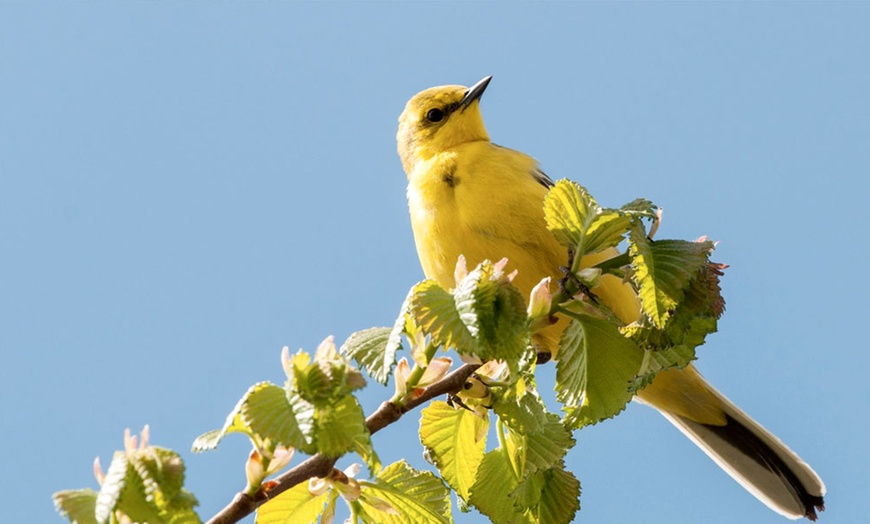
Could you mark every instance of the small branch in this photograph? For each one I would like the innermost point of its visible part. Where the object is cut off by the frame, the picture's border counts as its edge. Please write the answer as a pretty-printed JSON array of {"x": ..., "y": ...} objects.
[{"x": 320, "y": 466}]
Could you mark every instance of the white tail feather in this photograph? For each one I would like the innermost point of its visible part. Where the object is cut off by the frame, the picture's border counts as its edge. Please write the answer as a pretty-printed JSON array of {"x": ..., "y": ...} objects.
[{"x": 767, "y": 484}]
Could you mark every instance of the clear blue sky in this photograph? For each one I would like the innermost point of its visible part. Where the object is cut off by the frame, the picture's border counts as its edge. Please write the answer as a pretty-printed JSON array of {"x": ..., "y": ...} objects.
[{"x": 186, "y": 188}]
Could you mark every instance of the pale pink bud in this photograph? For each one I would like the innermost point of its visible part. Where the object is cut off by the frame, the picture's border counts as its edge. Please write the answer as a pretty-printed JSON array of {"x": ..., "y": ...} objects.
[
  {"x": 461, "y": 270},
  {"x": 254, "y": 471},
  {"x": 130, "y": 441},
  {"x": 144, "y": 437},
  {"x": 99, "y": 474},
  {"x": 317, "y": 486},
  {"x": 286, "y": 361},
  {"x": 436, "y": 370},
  {"x": 280, "y": 458},
  {"x": 656, "y": 223},
  {"x": 326, "y": 350},
  {"x": 403, "y": 371},
  {"x": 541, "y": 299}
]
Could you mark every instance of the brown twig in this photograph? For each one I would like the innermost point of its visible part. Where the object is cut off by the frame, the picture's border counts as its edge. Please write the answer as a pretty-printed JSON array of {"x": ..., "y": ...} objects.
[{"x": 318, "y": 465}]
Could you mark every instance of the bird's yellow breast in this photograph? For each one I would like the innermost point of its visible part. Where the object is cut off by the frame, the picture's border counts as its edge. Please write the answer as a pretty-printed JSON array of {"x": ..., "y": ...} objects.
[{"x": 481, "y": 201}]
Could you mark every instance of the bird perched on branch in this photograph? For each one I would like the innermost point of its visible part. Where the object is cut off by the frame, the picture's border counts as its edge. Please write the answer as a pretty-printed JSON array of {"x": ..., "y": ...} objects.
[{"x": 470, "y": 197}]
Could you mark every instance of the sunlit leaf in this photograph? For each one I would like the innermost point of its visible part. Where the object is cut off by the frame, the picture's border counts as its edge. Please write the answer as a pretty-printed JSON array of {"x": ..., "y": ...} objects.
[
  {"x": 402, "y": 495},
  {"x": 294, "y": 506},
  {"x": 78, "y": 506},
  {"x": 663, "y": 271},
  {"x": 595, "y": 368},
  {"x": 455, "y": 441},
  {"x": 434, "y": 310},
  {"x": 374, "y": 349},
  {"x": 541, "y": 450}
]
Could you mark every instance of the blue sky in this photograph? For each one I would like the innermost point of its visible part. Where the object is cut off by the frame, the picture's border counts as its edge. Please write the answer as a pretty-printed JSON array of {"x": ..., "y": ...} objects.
[{"x": 186, "y": 188}]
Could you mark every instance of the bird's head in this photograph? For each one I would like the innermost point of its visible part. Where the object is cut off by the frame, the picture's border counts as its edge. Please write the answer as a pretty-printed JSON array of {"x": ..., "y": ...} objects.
[{"x": 440, "y": 118}]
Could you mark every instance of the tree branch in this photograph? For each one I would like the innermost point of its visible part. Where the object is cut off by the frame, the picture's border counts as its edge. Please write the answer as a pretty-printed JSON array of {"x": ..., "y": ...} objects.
[{"x": 319, "y": 465}]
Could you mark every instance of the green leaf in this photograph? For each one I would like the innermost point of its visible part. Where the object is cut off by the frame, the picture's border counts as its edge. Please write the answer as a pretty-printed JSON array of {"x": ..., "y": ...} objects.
[
  {"x": 267, "y": 413},
  {"x": 694, "y": 318},
  {"x": 233, "y": 424},
  {"x": 324, "y": 379},
  {"x": 455, "y": 440},
  {"x": 294, "y": 506},
  {"x": 402, "y": 495},
  {"x": 494, "y": 313},
  {"x": 520, "y": 407},
  {"x": 374, "y": 349},
  {"x": 569, "y": 209},
  {"x": 560, "y": 497},
  {"x": 124, "y": 490},
  {"x": 663, "y": 271},
  {"x": 342, "y": 428},
  {"x": 434, "y": 310},
  {"x": 493, "y": 490},
  {"x": 162, "y": 474},
  {"x": 641, "y": 208},
  {"x": 110, "y": 492},
  {"x": 534, "y": 452},
  {"x": 595, "y": 367},
  {"x": 577, "y": 221},
  {"x": 528, "y": 493},
  {"x": 78, "y": 506}
]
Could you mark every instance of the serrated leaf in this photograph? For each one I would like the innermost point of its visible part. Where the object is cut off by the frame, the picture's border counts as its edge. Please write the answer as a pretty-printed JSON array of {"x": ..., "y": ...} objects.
[
  {"x": 695, "y": 318},
  {"x": 342, "y": 428},
  {"x": 569, "y": 209},
  {"x": 402, "y": 495},
  {"x": 578, "y": 222},
  {"x": 455, "y": 440},
  {"x": 492, "y": 490},
  {"x": 233, "y": 424},
  {"x": 560, "y": 497},
  {"x": 110, "y": 492},
  {"x": 539, "y": 451},
  {"x": 161, "y": 471},
  {"x": 606, "y": 230},
  {"x": 78, "y": 506},
  {"x": 207, "y": 441},
  {"x": 374, "y": 349},
  {"x": 124, "y": 490},
  {"x": 641, "y": 208},
  {"x": 663, "y": 270},
  {"x": 294, "y": 506},
  {"x": 268, "y": 413},
  {"x": 434, "y": 310},
  {"x": 520, "y": 407},
  {"x": 528, "y": 492},
  {"x": 494, "y": 313},
  {"x": 595, "y": 368}
]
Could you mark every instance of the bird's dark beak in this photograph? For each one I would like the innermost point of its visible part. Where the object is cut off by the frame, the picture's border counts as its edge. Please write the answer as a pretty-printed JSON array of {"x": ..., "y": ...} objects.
[{"x": 474, "y": 92}]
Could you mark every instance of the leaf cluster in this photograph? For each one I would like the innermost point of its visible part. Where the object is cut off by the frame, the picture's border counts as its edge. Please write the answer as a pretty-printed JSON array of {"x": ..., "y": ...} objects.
[
  {"x": 143, "y": 484},
  {"x": 604, "y": 357}
]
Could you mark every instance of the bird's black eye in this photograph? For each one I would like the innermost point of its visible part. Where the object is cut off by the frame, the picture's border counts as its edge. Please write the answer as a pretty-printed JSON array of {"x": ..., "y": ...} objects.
[{"x": 435, "y": 115}]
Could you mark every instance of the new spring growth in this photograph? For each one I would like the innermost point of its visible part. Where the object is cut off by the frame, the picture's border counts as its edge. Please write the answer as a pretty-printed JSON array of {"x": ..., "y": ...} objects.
[
  {"x": 540, "y": 305},
  {"x": 343, "y": 481},
  {"x": 132, "y": 445},
  {"x": 436, "y": 370},
  {"x": 260, "y": 466}
]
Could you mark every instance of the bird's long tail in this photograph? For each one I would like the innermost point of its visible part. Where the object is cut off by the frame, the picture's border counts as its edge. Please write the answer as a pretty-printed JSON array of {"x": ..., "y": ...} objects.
[{"x": 753, "y": 456}]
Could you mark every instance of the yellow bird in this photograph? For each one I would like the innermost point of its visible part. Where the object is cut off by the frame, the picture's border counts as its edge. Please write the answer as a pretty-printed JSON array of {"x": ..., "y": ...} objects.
[{"x": 468, "y": 196}]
